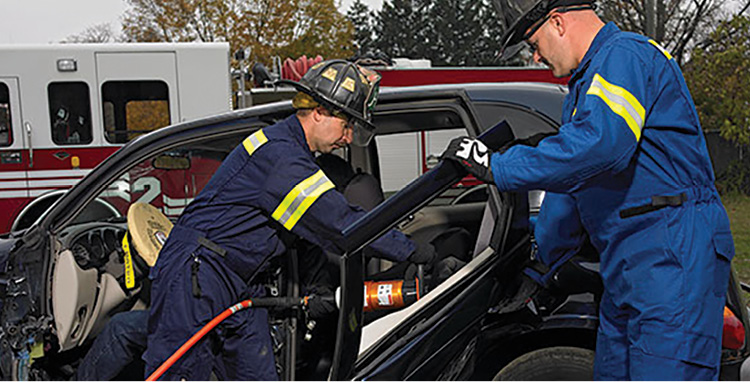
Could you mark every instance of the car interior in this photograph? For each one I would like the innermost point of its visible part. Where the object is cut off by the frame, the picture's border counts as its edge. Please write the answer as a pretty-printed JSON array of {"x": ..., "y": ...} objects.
[{"x": 88, "y": 281}]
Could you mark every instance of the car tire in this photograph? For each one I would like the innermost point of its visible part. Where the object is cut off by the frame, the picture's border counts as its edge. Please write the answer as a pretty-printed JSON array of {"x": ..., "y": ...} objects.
[{"x": 561, "y": 363}]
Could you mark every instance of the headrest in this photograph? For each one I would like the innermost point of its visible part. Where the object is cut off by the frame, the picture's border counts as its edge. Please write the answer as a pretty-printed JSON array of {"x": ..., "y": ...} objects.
[
  {"x": 336, "y": 169},
  {"x": 364, "y": 190}
]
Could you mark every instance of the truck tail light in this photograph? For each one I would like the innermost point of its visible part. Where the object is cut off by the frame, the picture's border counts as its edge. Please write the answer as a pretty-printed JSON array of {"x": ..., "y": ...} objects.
[{"x": 733, "y": 336}]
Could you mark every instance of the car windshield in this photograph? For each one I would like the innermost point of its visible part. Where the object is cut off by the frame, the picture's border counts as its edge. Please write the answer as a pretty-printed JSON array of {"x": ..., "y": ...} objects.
[{"x": 168, "y": 181}]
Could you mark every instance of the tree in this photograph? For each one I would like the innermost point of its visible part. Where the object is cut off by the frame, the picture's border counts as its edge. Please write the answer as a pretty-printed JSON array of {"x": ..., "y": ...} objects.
[
  {"x": 400, "y": 29},
  {"x": 269, "y": 27},
  {"x": 320, "y": 29},
  {"x": 677, "y": 24},
  {"x": 447, "y": 32},
  {"x": 719, "y": 80},
  {"x": 466, "y": 33},
  {"x": 99, "y": 33},
  {"x": 362, "y": 19}
]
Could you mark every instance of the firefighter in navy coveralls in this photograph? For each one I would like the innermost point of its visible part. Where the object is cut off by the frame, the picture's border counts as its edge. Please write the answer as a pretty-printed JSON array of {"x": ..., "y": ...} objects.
[
  {"x": 268, "y": 183},
  {"x": 631, "y": 162}
]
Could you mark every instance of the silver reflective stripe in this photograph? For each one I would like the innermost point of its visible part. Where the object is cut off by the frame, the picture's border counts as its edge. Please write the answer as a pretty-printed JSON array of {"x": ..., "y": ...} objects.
[
  {"x": 254, "y": 141},
  {"x": 621, "y": 102},
  {"x": 300, "y": 198}
]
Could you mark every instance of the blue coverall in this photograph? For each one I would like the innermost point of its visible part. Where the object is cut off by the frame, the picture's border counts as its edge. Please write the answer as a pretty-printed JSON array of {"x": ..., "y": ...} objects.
[
  {"x": 268, "y": 183},
  {"x": 558, "y": 232},
  {"x": 632, "y": 156}
]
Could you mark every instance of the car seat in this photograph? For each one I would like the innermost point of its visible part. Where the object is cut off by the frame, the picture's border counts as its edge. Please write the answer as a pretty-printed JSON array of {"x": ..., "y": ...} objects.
[{"x": 362, "y": 189}]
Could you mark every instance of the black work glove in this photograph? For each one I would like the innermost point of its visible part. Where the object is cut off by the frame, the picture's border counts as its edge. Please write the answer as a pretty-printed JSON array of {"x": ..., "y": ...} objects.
[
  {"x": 322, "y": 303},
  {"x": 473, "y": 155},
  {"x": 424, "y": 254}
]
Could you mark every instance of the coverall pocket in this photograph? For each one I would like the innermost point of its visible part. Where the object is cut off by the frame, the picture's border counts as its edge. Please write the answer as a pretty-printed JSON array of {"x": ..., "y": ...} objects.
[
  {"x": 724, "y": 246},
  {"x": 663, "y": 341}
]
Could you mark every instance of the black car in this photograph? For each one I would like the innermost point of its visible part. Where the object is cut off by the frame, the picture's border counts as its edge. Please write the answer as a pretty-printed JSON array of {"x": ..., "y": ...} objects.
[{"x": 480, "y": 316}]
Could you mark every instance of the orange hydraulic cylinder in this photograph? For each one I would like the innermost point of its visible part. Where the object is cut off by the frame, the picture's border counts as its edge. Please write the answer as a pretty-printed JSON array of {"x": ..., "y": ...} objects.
[{"x": 386, "y": 295}]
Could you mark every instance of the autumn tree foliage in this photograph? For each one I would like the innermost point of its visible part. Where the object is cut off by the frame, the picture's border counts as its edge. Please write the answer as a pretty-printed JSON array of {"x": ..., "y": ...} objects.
[
  {"x": 718, "y": 75},
  {"x": 269, "y": 28}
]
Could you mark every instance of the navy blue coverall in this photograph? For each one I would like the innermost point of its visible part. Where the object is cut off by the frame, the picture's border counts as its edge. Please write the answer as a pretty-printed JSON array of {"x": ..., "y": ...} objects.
[
  {"x": 267, "y": 183},
  {"x": 632, "y": 158}
]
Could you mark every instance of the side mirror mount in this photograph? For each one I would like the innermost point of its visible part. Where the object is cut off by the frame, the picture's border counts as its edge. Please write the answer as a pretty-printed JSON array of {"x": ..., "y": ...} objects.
[{"x": 171, "y": 162}]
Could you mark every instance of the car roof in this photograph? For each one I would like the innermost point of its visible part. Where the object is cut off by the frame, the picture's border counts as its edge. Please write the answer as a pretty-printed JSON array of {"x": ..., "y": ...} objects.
[{"x": 545, "y": 98}]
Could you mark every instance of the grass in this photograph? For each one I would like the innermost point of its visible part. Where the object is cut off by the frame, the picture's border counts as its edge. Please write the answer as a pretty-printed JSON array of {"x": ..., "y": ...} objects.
[{"x": 738, "y": 209}]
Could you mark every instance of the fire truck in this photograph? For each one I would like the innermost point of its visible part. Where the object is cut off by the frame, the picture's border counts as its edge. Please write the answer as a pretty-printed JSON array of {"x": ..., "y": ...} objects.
[{"x": 66, "y": 107}]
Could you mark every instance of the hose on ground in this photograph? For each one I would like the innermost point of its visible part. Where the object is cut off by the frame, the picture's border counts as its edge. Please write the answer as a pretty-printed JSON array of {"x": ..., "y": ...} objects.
[{"x": 263, "y": 302}]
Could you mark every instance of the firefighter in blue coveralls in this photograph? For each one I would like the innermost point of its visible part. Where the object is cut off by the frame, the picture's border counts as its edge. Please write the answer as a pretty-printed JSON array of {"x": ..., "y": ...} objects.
[
  {"x": 631, "y": 162},
  {"x": 268, "y": 183}
]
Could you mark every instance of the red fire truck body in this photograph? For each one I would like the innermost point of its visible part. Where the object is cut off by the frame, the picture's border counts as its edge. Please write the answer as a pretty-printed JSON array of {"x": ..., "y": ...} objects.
[
  {"x": 431, "y": 76},
  {"x": 65, "y": 108}
]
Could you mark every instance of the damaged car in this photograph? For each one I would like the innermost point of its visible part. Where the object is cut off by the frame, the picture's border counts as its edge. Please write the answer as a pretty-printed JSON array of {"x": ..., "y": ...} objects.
[{"x": 478, "y": 312}]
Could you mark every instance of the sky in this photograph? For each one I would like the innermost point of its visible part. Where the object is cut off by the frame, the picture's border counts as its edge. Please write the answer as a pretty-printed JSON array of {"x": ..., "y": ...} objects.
[{"x": 50, "y": 21}]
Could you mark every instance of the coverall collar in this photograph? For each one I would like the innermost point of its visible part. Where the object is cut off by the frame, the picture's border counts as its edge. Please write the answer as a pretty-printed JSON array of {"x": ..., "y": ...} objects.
[
  {"x": 607, "y": 31},
  {"x": 295, "y": 127}
]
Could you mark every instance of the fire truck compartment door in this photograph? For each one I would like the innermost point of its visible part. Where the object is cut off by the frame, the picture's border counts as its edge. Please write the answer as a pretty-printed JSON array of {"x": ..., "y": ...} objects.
[
  {"x": 14, "y": 143},
  {"x": 141, "y": 66}
]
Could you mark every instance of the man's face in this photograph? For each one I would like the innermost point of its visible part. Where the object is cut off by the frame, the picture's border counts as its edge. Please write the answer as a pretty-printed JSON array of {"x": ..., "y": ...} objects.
[
  {"x": 332, "y": 132},
  {"x": 548, "y": 44}
]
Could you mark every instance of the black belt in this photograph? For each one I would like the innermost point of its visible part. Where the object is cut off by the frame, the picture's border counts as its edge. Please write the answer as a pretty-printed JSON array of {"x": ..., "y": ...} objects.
[
  {"x": 210, "y": 245},
  {"x": 657, "y": 202}
]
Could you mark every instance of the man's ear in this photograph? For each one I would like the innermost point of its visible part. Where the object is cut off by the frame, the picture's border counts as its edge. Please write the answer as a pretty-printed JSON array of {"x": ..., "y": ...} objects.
[
  {"x": 317, "y": 114},
  {"x": 557, "y": 21}
]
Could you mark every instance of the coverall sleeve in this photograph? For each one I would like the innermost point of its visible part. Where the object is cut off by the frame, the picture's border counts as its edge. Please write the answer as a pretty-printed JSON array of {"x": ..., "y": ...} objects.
[
  {"x": 558, "y": 232},
  {"x": 301, "y": 198},
  {"x": 602, "y": 134}
]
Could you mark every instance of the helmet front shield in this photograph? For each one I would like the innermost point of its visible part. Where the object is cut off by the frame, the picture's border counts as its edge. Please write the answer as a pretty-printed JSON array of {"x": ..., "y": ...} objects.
[{"x": 362, "y": 132}]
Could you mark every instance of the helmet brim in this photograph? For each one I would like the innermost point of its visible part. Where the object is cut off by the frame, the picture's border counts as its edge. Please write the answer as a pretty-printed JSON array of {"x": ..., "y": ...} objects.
[{"x": 513, "y": 36}]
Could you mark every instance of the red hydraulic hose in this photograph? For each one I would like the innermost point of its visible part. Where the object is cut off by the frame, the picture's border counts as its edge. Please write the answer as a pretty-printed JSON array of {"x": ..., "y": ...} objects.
[{"x": 216, "y": 321}]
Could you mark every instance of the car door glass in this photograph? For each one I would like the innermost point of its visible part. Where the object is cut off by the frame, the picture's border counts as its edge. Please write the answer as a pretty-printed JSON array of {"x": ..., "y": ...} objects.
[
  {"x": 406, "y": 156},
  {"x": 524, "y": 122}
]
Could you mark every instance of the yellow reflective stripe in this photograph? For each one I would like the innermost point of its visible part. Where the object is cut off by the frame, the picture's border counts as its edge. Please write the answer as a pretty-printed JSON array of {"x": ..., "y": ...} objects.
[
  {"x": 661, "y": 49},
  {"x": 574, "y": 113},
  {"x": 254, "y": 141},
  {"x": 621, "y": 102},
  {"x": 302, "y": 196}
]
